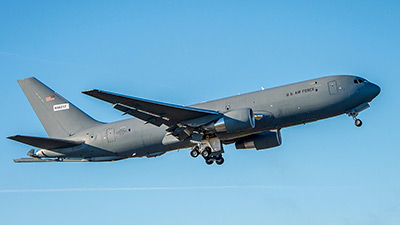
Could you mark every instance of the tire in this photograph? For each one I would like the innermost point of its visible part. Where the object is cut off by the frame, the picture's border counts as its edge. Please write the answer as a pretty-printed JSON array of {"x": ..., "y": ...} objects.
[
  {"x": 220, "y": 161},
  {"x": 358, "y": 123},
  {"x": 195, "y": 152},
  {"x": 209, "y": 161},
  {"x": 206, "y": 152}
]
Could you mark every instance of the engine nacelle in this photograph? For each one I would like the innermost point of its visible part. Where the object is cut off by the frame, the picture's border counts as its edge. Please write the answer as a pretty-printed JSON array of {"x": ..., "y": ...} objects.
[
  {"x": 263, "y": 140},
  {"x": 44, "y": 153},
  {"x": 235, "y": 120}
]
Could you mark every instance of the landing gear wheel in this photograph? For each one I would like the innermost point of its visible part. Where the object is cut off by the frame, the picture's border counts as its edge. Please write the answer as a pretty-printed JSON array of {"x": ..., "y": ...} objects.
[
  {"x": 219, "y": 160},
  {"x": 206, "y": 152},
  {"x": 209, "y": 161},
  {"x": 358, "y": 123},
  {"x": 195, "y": 152}
]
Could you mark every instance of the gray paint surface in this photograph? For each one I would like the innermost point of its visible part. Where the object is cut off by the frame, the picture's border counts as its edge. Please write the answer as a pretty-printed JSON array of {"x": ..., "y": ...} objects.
[{"x": 278, "y": 107}]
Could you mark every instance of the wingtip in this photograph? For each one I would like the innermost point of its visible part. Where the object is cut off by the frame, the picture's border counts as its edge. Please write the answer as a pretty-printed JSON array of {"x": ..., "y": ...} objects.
[
  {"x": 12, "y": 137},
  {"x": 90, "y": 90}
]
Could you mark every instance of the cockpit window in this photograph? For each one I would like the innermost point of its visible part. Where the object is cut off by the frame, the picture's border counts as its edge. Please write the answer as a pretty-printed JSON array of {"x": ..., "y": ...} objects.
[
  {"x": 360, "y": 81},
  {"x": 363, "y": 81}
]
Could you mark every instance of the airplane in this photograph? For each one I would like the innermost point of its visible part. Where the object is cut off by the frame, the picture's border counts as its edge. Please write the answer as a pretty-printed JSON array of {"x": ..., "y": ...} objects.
[{"x": 250, "y": 121}]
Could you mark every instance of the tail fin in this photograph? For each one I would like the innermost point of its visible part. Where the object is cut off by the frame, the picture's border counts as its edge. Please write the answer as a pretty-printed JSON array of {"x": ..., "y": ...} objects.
[{"x": 59, "y": 117}]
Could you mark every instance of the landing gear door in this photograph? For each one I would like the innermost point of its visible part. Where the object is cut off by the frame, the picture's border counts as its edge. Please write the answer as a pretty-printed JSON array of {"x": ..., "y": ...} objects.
[
  {"x": 332, "y": 87},
  {"x": 216, "y": 145}
]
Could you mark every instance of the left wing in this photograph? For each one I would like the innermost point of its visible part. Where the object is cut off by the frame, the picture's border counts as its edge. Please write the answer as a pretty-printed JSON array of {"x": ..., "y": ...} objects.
[{"x": 176, "y": 117}]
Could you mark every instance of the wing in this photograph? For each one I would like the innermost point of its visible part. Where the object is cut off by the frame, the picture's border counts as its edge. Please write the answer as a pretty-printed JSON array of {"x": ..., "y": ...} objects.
[{"x": 177, "y": 118}]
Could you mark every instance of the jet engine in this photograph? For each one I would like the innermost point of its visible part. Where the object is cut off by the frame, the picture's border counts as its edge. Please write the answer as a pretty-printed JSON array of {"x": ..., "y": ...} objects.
[
  {"x": 235, "y": 120},
  {"x": 260, "y": 141}
]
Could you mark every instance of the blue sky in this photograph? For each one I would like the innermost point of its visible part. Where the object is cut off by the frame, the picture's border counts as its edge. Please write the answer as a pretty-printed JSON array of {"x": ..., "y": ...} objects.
[{"x": 185, "y": 52}]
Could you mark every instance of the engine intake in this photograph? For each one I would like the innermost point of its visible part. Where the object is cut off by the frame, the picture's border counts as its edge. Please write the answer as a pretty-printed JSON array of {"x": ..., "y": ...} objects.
[
  {"x": 235, "y": 120},
  {"x": 260, "y": 141}
]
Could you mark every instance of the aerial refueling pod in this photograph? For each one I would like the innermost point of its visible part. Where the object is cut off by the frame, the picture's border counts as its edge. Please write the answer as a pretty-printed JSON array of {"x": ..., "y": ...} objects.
[
  {"x": 263, "y": 140},
  {"x": 235, "y": 120}
]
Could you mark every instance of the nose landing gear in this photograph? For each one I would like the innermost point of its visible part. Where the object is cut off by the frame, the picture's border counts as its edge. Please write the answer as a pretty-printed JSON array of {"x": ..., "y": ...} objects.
[
  {"x": 354, "y": 113},
  {"x": 357, "y": 121}
]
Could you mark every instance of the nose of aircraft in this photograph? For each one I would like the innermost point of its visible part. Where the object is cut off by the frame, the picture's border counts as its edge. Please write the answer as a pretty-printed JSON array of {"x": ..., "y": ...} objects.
[{"x": 373, "y": 91}]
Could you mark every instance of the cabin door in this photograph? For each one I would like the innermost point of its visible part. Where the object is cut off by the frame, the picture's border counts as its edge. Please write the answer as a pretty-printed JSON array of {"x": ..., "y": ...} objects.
[
  {"x": 332, "y": 87},
  {"x": 110, "y": 134}
]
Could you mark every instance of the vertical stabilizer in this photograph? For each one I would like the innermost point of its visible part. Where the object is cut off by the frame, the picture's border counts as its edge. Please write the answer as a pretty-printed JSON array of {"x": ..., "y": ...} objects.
[{"x": 58, "y": 116}]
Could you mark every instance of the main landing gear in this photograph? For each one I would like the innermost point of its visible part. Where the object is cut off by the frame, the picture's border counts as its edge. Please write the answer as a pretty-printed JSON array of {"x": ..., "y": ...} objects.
[{"x": 211, "y": 151}]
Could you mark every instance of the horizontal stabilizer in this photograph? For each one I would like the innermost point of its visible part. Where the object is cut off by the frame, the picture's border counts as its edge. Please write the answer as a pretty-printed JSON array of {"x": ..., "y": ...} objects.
[{"x": 46, "y": 143}]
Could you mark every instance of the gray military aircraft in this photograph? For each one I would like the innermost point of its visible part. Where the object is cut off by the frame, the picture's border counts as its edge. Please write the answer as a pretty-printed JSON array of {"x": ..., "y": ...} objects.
[{"x": 251, "y": 120}]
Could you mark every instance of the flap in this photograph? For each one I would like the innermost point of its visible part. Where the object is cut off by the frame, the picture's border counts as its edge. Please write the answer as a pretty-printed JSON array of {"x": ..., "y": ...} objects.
[{"x": 148, "y": 118}]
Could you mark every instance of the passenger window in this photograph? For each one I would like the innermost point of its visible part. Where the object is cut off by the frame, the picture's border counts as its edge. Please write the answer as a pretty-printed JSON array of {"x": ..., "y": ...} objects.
[{"x": 355, "y": 81}]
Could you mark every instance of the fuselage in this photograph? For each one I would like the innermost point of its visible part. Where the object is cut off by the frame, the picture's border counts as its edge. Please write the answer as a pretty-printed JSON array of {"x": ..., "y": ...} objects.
[{"x": 276, "y": 108}]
